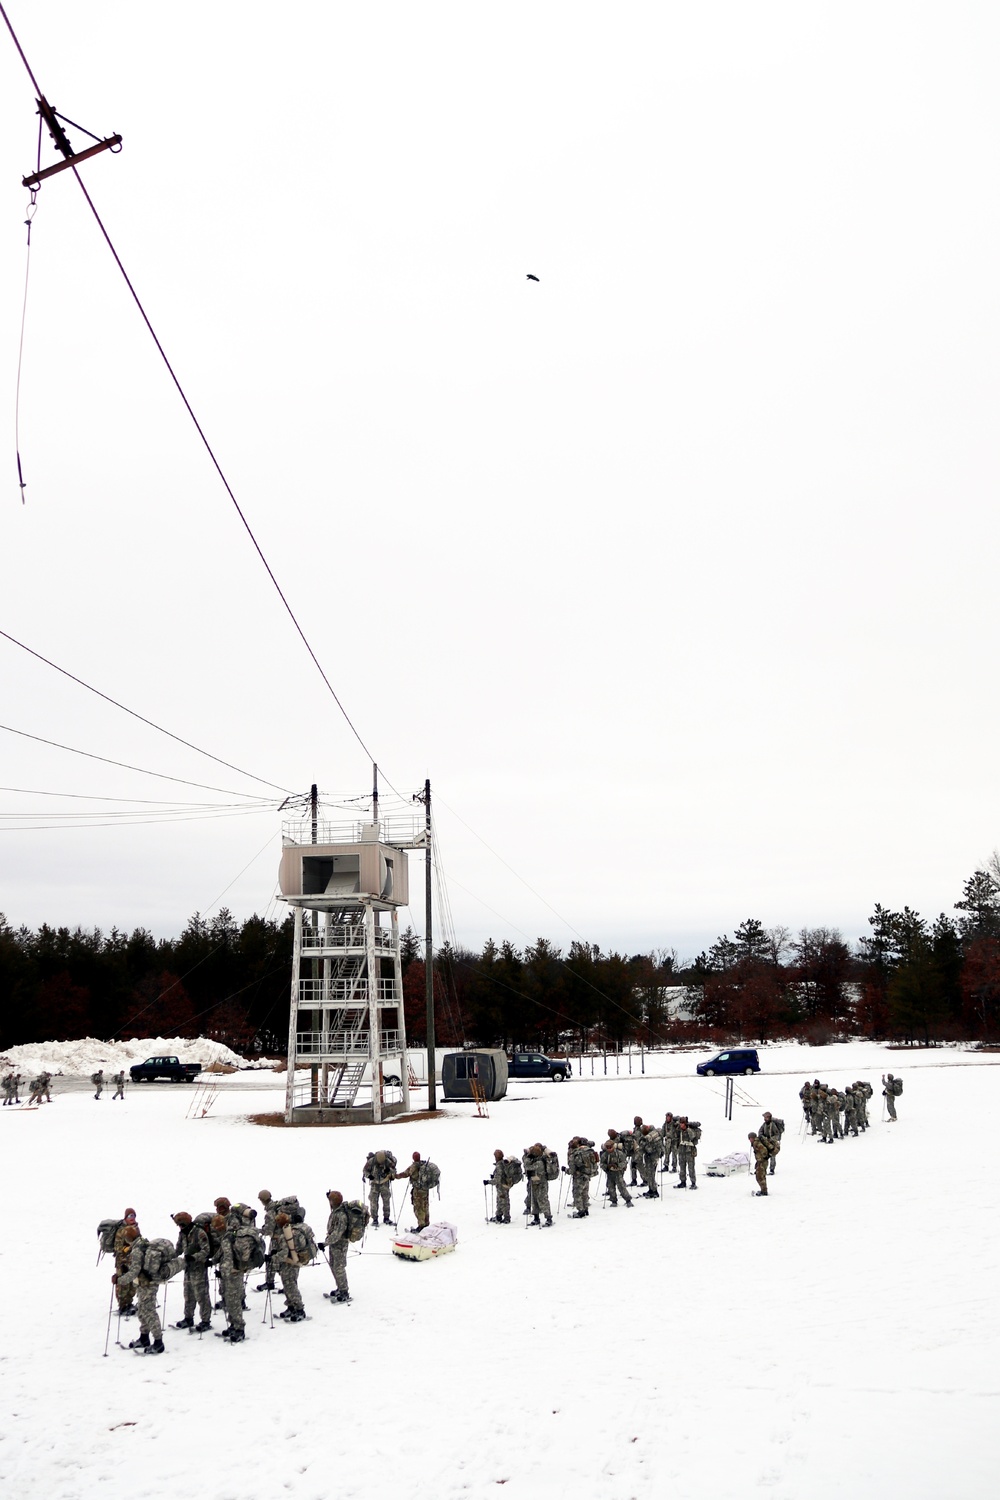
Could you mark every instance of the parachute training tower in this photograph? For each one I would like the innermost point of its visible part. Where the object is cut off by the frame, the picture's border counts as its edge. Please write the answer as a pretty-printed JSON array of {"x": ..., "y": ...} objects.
[{"x": 345, "y": 883}]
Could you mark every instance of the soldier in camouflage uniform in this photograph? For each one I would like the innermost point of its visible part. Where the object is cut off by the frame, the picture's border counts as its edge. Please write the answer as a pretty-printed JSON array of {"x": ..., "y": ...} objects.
[
  {"x": 634, "y": 1161},
  {"x": 836, "y": 1100},
  {"x": 380, "y": 1171},
  {"x": 614, "y": 1162},
  {"x": 231, "y": 1277},
  {"x": 336, "y": 1245},
  {"x": 146, "y": 1291},
  {"x": 119, "y": 1083},
  {"x": 770, "y": 1133},
  {"x": 824, "y": 1128},
  {"x": 805, "y": 1096},
  {"x": 287, "y": 1261},
  {"x": 760, "y": 1152},
  {"x": 35, "y": 1095},
  {"x": 121, "y": 1247},
  {"x": 97, "y": 1079},
  {"x": 863, "y": 1092},
  {"x": 498, "y": 1181},
  {"x": 850, "y": 1111},
  {"x": 267, "y": 1230},
  {"x": 649, "y": 1148},
  {"x": 419, "y": 1196},
  {"x": 581, "y": 1159},
  {"x": 194, "y": 1248},
  {"x": 533, "y": 1163},
  {"x": 669, "y": 1143},
  {"x": 688, "y": 1136},
  {"x": 889, "y": 1095}
]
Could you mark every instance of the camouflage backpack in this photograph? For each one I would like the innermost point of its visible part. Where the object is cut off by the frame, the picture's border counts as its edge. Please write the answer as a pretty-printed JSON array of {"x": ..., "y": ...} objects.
[
  {"x": 159, "y": 1261},
  {"x": 779, "y": 1126},
  {"x": 428, "y": 1175},
  {"x": 305, "y": 1244},
  {"x": 510, "y": 1172},
  {"x": 551, "y": 1161},
  {"x": 289, "y": 1206},
  {"x": 106, "y": 1231},
  {"x": 248, "y": 1248},
  {"x": 897, "y": 1087},
  {"x": 357, "y": 1220}
]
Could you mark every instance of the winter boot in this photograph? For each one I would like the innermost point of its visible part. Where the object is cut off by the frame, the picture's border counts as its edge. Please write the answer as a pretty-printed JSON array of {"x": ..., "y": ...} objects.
[
  {"x": 761, "y": 1194},
  {"x": 679, "y": 1185},
  {"x": 535, "y": 1220},
  {"x": 185, "y": 1323},
  {"x": 628, "y": 1203},
  {"x": 236, "y": 1336},
  {"x": 548, "y": 1222},
  {"x": 203, "y": 1326},
  {"x": 265, "y": 1286},
  {"x": 142, "y": 1342},
  {"x": 156, "y": 1348}
]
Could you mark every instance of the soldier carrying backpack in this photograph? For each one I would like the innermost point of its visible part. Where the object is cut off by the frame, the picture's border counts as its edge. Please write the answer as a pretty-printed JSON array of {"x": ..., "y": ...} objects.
[
  {"x": 422, "y": 1175},
  {"x": 891, "y": 1088},
  {"x": 379, "y": 1171},
  {"x": 770, "y": 1133},
  {"x": 151, "y": 1263}
]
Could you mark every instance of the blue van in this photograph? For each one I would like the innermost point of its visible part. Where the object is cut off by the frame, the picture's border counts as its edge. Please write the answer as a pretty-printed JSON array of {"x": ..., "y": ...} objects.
[{"x": 736, "y": 1060}]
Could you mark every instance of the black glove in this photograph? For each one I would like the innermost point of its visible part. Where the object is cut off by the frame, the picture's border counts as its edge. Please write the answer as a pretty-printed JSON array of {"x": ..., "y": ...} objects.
[
  {"x": 486, "y": 1182},
  {"x": 321, "y": 1244}
]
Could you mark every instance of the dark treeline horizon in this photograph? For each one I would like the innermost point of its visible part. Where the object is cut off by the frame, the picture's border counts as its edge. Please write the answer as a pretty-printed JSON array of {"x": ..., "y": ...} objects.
[{"x": 910, "y": 979}]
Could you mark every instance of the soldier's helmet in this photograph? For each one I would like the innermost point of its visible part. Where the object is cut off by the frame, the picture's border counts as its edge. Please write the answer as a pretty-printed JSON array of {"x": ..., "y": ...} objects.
[
  {"x": 416, "y": 1156},
  {"x": 223, "y": 1205},
  {"x": 498, "y": 1154},
  {"x": 335, "y": 1198},
  {"x": 380, "y": 1157},
  {"x": 264, "y": 1196},
  {"x": 637, "y": 1119},
  {"x": 182, "y": 1219},
  {"x": 612, "y": 1134}
]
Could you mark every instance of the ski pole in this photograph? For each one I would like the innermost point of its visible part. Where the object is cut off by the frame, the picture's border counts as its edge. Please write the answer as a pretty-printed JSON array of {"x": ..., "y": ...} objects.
[
  {"x": 107, "y": 1336},
  {"x": 486, "y": 1201},
  {"x": 267, "y": 1307},
  {"x": 604, "y": 1199}
]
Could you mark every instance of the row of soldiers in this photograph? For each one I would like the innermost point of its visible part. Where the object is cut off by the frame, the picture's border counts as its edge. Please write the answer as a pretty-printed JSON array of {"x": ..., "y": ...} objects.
[
  {"x": 638, "y": 1149},
  {"x": 40, "y": 1088},
  {"x": 229, "y": 1241},
  {"x": 823, "y": 1105}
]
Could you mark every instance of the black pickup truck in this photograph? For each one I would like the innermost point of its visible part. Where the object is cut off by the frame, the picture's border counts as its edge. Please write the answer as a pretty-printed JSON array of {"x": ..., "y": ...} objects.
[{"x": 164, "y": 1067}]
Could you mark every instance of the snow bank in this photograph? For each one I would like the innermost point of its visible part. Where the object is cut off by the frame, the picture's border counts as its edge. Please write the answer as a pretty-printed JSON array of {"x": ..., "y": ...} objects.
[{"x": 89, "y": 1054}]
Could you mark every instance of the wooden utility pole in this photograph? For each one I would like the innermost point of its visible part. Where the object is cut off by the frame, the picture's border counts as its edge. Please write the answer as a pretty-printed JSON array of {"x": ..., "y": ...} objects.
[{"x": 429, "y": 957}]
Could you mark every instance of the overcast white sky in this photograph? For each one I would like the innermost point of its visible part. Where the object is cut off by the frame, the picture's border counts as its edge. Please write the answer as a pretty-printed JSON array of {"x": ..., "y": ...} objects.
[{"x": 675, "y": 571}]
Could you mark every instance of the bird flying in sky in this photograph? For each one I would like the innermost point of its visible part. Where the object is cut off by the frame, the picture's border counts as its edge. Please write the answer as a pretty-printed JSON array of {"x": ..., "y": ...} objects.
[{"x": 532, "y": 278}]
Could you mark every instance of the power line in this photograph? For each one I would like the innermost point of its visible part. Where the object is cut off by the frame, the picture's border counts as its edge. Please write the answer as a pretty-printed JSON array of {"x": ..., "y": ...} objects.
[
  {"x": 123, "y": 765},
  {"x": 141, "y": 717},
  {"x": 197, "y": 425},
  {"x": 31, "y": 791},
  {"x": 134, "y": 823}
]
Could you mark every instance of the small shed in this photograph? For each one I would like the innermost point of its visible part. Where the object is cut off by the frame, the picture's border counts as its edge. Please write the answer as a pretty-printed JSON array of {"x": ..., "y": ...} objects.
[{"x": 460, "y": 1069}]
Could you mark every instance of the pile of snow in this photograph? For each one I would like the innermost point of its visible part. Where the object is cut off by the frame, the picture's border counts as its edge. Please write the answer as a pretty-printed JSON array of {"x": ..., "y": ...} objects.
[{"x": 86, "y": 1056}]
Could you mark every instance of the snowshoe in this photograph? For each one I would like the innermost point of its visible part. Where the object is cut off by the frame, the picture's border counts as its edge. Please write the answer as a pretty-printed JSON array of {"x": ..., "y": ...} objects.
[
  {"x": 202, "y": 1327},
  {"x": 185, "y": 1323},
  {"x": 142, "y": 1342},
  {"x": 265, "y": 1287},
  {"x": 679, "y": 1185},
  {"x": 156, "y": 1348},
  {"x": 547, "y": 1224}
]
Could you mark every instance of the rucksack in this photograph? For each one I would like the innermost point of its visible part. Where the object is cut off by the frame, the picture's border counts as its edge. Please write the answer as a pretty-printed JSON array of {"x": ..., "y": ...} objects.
[
  {"x": 551, "y": 1161},
  {"x": 695, "y": 1127},
  {"x": 626, "y": 1140},
  {"x": 384, "y": 1169},
  {"x": 96, "y": 1078},
  {"x": 897, "y": 1086},
  {"x": 248, "y": 1248},
  {"x": 160, "y": 1260},
  {"x": 428, "y": 1175},
  {"x": 305, "y": 1243},
  {"x": 780, "y": 1126},
  {"x": 510, "y": 1171},
  {"x": 357, "y": 1220},
  {"x": 106, "y": 1231},
  {"x": 773, "y": 1146},
  {"x": 289, "y": 1206}
]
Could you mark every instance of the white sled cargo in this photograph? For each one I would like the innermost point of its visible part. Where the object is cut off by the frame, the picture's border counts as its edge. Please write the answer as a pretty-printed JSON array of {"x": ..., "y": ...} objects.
[
  {"x": 725, "y": 1166},
  {"x": 435, "y": 1240}
]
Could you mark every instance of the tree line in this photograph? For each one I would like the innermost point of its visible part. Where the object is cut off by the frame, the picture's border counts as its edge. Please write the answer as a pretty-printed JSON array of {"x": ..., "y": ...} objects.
[{"x": 908, "y": 978}]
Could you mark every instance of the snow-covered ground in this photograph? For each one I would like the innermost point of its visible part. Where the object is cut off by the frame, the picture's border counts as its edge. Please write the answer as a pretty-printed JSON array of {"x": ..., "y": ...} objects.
[{"x": 840, "y": 1335}]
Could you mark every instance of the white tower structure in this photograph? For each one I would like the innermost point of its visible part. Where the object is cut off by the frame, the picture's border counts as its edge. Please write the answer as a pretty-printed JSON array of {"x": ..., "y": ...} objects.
[{"x": 345, "y": 883}]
